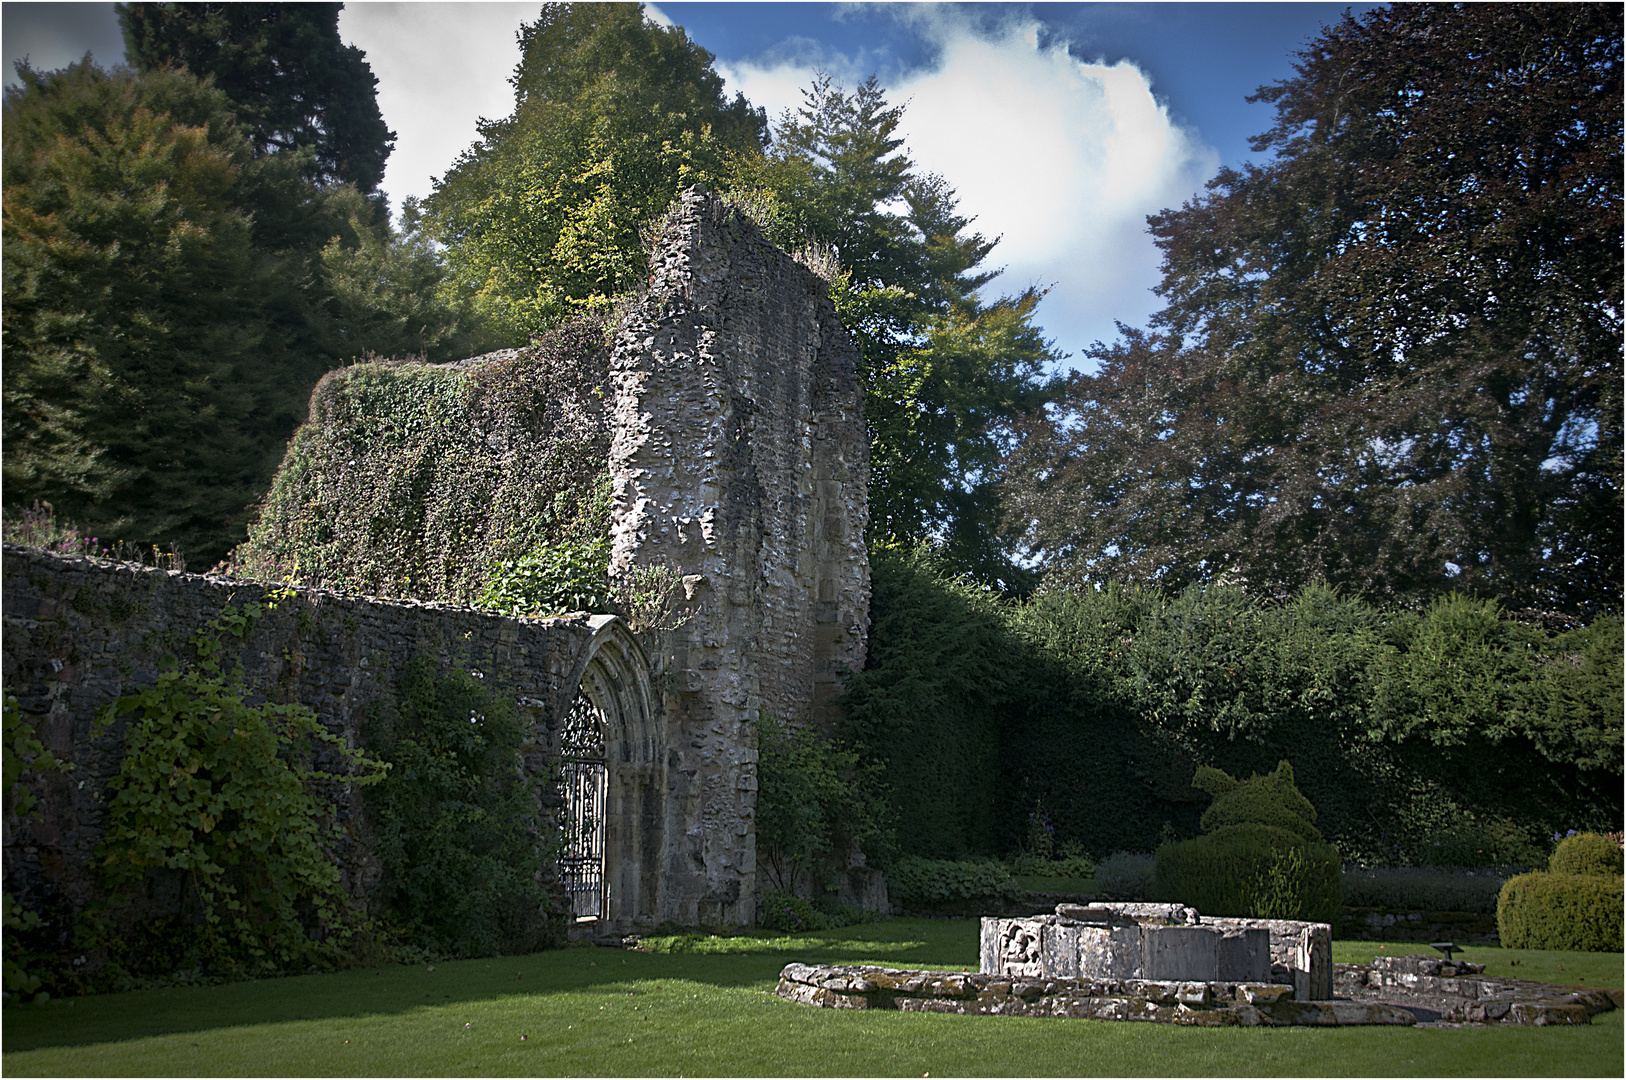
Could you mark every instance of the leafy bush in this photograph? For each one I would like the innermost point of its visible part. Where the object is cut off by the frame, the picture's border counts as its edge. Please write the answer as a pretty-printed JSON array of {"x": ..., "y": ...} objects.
[
  {"x": 551, "y": 580},
  {"x": 913, "y": 880},
  {"x": 1127, "y": 875},
  {"x": 1067, "y": 866},
  {"x": 223, "y": 793},
  {"x": 781, "y": 911},
  {"x": 1581, "y": 912},
  {"x": 816, "y": 798},
  {"x": 455, "y": 821},
  {"x": 1587, "y": 853},
  {"x": 1415, "y": 888},
  {"x": 1471, "y": 842},
  {"x": 1252, "y": 870}
]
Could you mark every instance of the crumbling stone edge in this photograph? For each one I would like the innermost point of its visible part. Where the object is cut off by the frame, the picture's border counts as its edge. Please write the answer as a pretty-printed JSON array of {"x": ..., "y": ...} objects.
[{"x": 1212, "y": 1004}]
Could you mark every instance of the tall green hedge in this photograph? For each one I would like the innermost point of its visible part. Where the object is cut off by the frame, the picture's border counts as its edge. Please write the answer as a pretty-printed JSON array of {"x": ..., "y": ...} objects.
[{"x": 1454, "y": 735}]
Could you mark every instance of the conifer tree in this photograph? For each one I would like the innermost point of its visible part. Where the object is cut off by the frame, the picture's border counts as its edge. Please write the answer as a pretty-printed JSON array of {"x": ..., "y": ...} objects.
[{"x": 293, "y": 83}]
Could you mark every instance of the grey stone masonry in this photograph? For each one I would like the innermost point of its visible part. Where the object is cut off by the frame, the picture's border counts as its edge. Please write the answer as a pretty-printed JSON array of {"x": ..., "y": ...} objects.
[
  {"x": 740, "y": 461},
  {"x": 1185, "y": 1002},
  {"x": 1390, "y": 991},
  {"x": 80, "y": 632},
  {"x": 1446, "y": 992},
  {"x": 1160, "y": 942}
]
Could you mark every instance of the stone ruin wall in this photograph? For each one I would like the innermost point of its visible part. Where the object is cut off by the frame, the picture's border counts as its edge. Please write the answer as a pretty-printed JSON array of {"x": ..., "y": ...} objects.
[
  {"x": 81, "y": 632},
  {"x": 740, "y": 457}
]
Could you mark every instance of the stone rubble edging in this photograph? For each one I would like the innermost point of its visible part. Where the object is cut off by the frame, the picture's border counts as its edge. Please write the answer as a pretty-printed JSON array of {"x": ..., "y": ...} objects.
[{"x": 1379, "y": 995}]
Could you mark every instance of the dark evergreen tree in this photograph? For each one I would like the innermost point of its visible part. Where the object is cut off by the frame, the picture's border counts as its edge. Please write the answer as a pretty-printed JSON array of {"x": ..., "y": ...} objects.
[
  {"x": 293, "y": 83},
  {"x": 1391, "y": 356},
  {"x": 147, "y": 378}
]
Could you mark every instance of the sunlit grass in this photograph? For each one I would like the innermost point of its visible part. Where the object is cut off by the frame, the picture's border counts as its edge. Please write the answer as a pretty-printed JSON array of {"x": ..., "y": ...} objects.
[{"x": 706, "y": 1008}]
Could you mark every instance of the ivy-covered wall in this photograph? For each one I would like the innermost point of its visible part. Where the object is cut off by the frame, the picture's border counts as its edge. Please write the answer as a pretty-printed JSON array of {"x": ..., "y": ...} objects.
[
  {"x": 417, "y": 480},
  {"x": 81, "y": 633}
]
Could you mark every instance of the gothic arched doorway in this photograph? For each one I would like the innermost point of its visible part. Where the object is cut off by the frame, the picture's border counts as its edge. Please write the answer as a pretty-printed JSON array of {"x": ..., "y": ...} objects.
[{"x": 611, "y": 773}]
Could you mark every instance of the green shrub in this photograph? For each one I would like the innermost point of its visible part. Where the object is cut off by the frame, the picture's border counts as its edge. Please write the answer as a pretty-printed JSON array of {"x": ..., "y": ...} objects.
[
  {"x": 1422, "y": 888},
  {"x": 1070, "y": 866},
  {"x": 914, "y": 880},
  {"x": 1258, "y": 871},
  {"x": 1581, "y": 912},
  {"x": 816, "y": 798},
  {"x": 795, "y": 914},
  {"x": 1271, "y": 799},
  {"x": 223, "y": 795},
  {"x": 1127, "y": 875},
  {"x": 1587, "y": 853},
  {"x": 455, "y": 820},
  {"x": 1473, "y": 842}
]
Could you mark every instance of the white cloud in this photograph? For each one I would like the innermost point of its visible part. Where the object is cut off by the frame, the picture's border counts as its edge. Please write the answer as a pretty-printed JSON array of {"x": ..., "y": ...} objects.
[
  {"x": 1061, "y": 159},
  {"x": 440, "y": 68}
]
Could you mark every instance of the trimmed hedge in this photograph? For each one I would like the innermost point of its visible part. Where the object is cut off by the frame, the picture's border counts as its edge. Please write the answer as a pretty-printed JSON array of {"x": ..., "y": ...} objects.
[
  {"x": 914, "y": 880},
  {"x": 1422, "y": 888},
  {"x": 1580, "y": 912},
  {"x": 1258, "y": 871},
  {"x": 1455, "y": 735},
  {"x": 1587, "y": 853}
]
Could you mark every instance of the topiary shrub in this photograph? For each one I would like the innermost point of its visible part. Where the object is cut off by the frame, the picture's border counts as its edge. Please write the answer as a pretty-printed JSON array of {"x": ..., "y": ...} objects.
[
  {"x": 1258, "y": 871},
  {"x": 1261, "y": 855},
  {"x": 1272, "y": 799},
  {"x": 1581, "y": 912},
  {"x": 1587, "y": 853}
]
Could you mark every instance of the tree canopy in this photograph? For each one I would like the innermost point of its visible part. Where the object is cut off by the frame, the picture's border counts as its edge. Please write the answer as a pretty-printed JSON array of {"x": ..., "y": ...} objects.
[
  {"x": 293, "y": 83},
  {"x": 613, "y": 116},
  {"x": 1391, "y": 356},
  {"x": 172, "y": 296},
  {"x": 946, "y": 374}
]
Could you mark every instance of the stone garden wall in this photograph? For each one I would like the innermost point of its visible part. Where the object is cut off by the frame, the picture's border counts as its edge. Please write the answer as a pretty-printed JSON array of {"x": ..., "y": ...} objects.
[{"x": 81, "y": 632}]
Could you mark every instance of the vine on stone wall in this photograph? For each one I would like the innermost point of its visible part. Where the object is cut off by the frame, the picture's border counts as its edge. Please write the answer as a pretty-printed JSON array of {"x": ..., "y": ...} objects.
[{"x": 225, "y": 795}]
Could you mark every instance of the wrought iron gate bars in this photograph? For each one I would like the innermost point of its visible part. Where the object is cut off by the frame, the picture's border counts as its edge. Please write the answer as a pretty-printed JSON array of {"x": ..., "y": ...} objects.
[{"x": 583, "y": 781}]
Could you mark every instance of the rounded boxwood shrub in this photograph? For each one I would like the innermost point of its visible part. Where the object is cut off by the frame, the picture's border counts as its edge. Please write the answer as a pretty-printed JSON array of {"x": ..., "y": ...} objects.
[
  {"x": 1587, "y": 853},
  {"x": 1581, "y": 912},
  {"x": 1257, "y": 871}
]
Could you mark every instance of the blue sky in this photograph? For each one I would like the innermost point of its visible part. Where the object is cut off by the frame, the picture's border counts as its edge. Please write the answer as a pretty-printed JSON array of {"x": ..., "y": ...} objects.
[{"x": 1060, "y": 125}]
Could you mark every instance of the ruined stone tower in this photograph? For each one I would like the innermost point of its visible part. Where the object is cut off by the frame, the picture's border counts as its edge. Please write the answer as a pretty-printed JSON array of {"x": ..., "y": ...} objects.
[{"x": 740, "y": 460}]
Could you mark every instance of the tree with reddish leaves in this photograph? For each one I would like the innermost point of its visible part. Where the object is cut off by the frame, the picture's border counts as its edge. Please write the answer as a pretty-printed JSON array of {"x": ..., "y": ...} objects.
[{"x": 1391, "y": 356}]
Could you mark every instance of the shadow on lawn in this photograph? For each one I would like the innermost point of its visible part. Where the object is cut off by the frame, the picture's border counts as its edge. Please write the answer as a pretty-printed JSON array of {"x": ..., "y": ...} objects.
[{"x": 744, "y": 961}]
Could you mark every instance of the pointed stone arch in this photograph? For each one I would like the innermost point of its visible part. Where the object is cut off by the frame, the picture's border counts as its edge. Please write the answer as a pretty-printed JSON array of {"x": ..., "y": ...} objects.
[{"x": 617, "y": 817}]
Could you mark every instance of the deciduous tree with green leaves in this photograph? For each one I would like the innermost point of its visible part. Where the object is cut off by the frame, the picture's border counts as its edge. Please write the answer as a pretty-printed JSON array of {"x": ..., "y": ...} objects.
[{"x": 613, "y": 116}]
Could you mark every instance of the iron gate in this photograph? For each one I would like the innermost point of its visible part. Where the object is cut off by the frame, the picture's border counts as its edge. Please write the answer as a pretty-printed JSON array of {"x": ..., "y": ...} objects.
[{"x": 584, "y": 783}]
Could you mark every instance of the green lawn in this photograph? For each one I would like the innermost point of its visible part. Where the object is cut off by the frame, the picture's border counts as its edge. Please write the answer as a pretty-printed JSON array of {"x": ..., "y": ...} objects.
[{"x": 701, "y": 1006}]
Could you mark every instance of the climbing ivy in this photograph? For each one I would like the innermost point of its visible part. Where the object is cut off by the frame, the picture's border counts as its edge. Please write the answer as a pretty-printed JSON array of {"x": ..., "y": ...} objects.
[
  {"x": 227, "y": 795},
  {"x": 456, "y": 821}
]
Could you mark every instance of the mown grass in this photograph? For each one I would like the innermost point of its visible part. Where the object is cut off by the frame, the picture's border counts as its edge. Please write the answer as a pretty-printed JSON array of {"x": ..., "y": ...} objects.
[{"x": 696, "y": 1005}]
